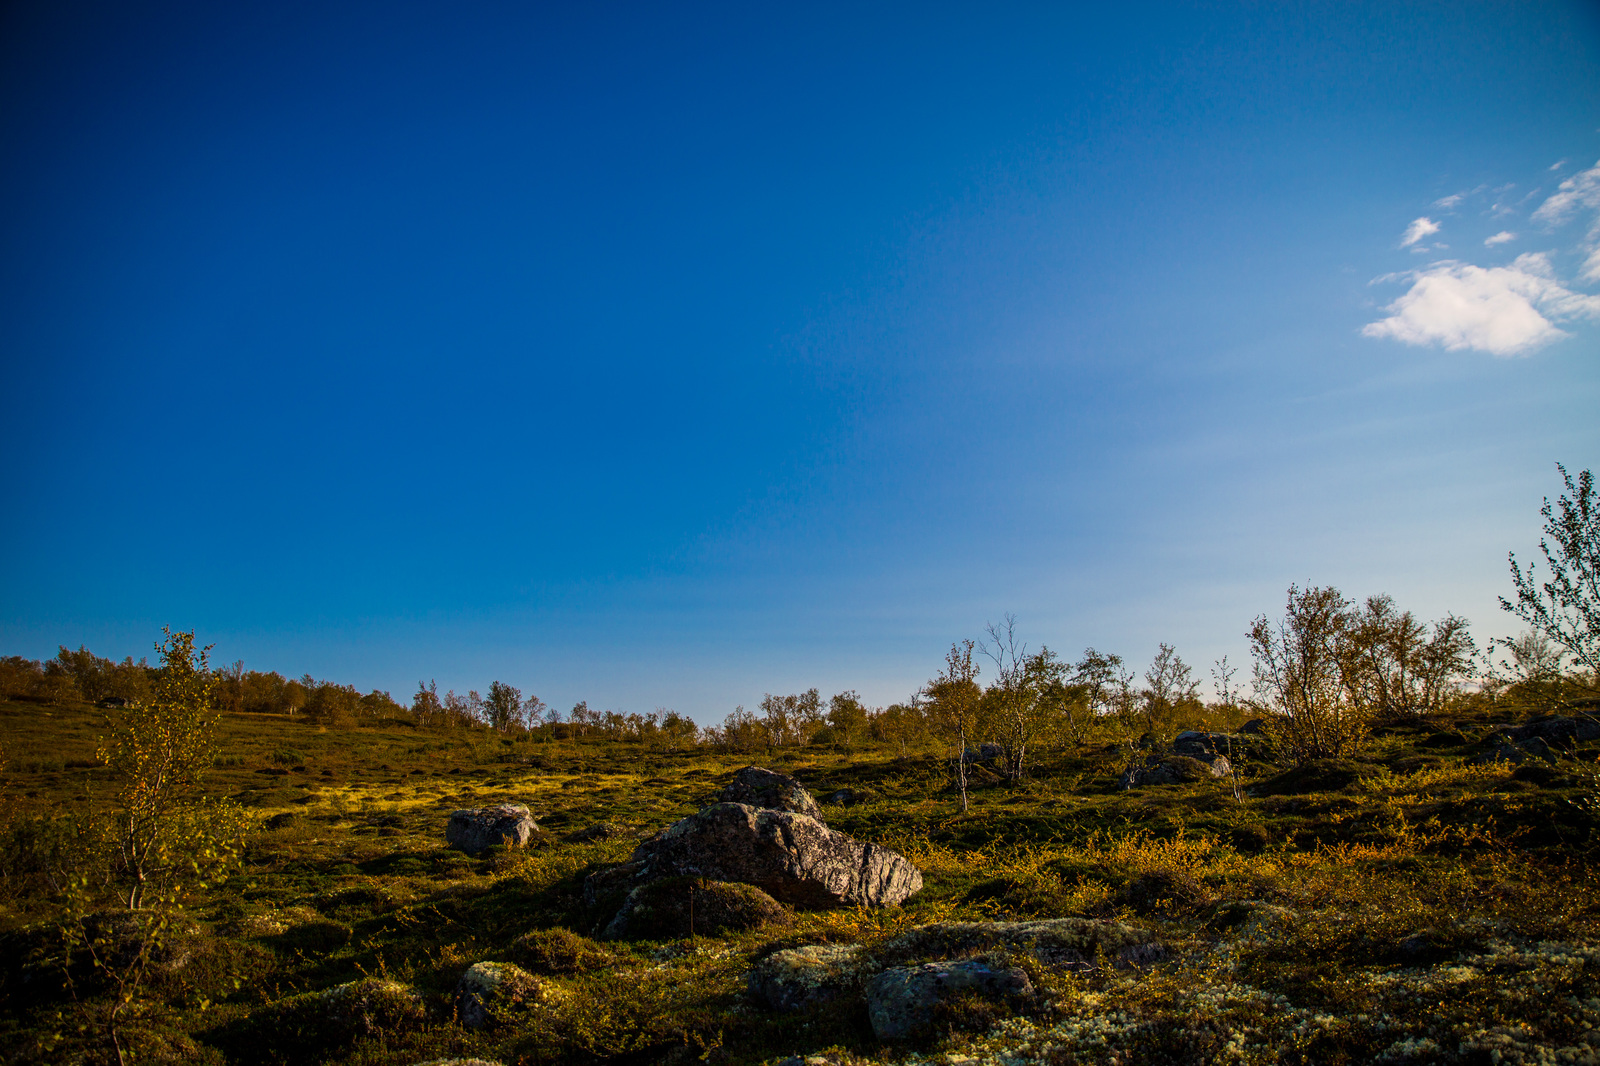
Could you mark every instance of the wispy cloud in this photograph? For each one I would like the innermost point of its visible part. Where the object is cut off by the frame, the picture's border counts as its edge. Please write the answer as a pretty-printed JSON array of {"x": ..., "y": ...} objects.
[
  {"x": 1579, "y": 193},
  {"x": 1499, "y": 238},
  {"x": 1451, "y": 202},
  {"x": 1504, "y": 311},
  {"x": 1422, "y": 227},
  {"x": 1558, "y": 164}
]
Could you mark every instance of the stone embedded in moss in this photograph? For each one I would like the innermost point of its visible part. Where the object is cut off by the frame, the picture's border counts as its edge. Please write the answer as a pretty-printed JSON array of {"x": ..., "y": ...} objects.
[
  {"x": 560, "y": 951},
  {"x": 810, "y": 976},
  {"x": 489, "y": 993},
  {"x": 905, "y": 1002},
  {"x": 1174, "y": 770},
  {"x": 1247, "y": 917},
  {"x": 692, "y": 906},
  {"x": 345, "y": 1012}
]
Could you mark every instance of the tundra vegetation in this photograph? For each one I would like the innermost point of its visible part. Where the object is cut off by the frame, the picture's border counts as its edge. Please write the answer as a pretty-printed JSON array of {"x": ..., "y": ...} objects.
[{"x": 1380, "y": 850}]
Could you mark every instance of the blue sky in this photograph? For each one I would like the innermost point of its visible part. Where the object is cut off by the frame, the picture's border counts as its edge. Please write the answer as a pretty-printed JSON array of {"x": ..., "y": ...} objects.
[{"x": 666, "y": 355}]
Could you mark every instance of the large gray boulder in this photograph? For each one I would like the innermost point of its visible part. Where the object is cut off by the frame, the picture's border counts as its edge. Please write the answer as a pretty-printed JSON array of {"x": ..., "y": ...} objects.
[
  {"x": 903, "y": 1002},
  {"x": 755, "y": 786},
  {"x": 811, "y": 976},
  {"x": 473, "y": 830},
  {"x": 793, "y": 858}
]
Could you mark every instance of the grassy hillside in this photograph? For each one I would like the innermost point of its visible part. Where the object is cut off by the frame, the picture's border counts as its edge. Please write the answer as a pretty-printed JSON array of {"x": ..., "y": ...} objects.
[{"x": 1409, "y": 903}]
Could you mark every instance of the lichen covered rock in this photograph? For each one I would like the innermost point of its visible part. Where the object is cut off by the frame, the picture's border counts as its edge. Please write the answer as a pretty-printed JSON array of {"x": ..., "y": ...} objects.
[
  {"x": 1174, "y": 770},
  {"x": 755, "y": 786},
  {"x": 905, "y": 1002},
  {"x": 793, "y": 858},
  {"x": 560, "y": 951},
  {"x": 597, "y": 831},
  {"x": 692, "y": 906},
  {"x": 473, "y": 830},
  {"x": 348, "y": 1011},
  {"x": 489, "y": 993},
  {"x": 811, "y": 976}
]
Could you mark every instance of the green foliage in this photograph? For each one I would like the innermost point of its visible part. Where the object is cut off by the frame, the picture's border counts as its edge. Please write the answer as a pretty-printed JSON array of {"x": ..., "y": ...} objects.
[{"x": 1566, "y": 607}]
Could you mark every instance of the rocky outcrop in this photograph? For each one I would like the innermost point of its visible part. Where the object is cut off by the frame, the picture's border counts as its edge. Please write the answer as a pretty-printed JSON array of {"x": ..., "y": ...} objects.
[
  {"x": 1203, "y": 746},
  {"x": 691, "y": 906},
  {"x": 489, "y": 993},
  {"x": 1556, "y": 729},
  {"x": 1071, "y": 943},
  {"x": 473, "y": 830},
  {"x": 1508, "y": 750},
  {"x": 755, "y": 786},
  {"x": 905, "y": 1002},
  {"x": 793, "y": 858},
  {"x": 811, "y": 976},
  {"x": 1174, "y": 770}
]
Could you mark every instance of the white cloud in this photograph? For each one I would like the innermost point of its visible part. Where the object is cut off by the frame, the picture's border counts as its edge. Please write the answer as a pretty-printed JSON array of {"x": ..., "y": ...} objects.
[
  {"x": 1499, "y": 310},
  {"x": 1422, "y": 227},
  {"x": 1499, "y": 238},
  {"x": 1446, "y": 203},
  {"x": 1558, "y": 164},
  {"x": 1579, "y": 192}
]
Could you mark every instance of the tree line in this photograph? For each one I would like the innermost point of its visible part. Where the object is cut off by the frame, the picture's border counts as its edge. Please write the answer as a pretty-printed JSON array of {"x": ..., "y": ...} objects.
[{"x": 1322, "y": 674}]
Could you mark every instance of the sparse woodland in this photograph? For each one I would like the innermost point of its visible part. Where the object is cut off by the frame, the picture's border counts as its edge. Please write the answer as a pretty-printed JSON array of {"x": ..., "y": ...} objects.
[{"x": 1374, "y": 842}]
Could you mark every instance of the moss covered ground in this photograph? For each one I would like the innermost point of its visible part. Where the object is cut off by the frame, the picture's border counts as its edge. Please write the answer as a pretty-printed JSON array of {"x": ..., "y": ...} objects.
[{"x": 1409, "y": 904}]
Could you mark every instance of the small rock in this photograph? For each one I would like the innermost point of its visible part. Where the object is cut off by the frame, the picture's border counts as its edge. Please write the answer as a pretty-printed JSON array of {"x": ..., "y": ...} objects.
[
  {"x": 810, "y": 976},
  {"x": 611, "y": 884},
  {"x": 902, "y": 1003},
  {"x": 691, "y": 906},
  {"x": 842, "y": 798},
  {"x": 1204, "y": 746},
  {"x": 755, "y": 786},
  {"x": 597, "y": 831},
  {"x": 490, "y": 992},
  {"x": 1538, "y": 748},
  {"x": 472, "y": 831},
  {"x": 1503, "y": 752}
]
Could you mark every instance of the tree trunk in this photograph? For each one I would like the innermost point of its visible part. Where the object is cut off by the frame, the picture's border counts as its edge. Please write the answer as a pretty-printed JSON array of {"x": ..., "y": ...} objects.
[{"x": 961, "y": 767}]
